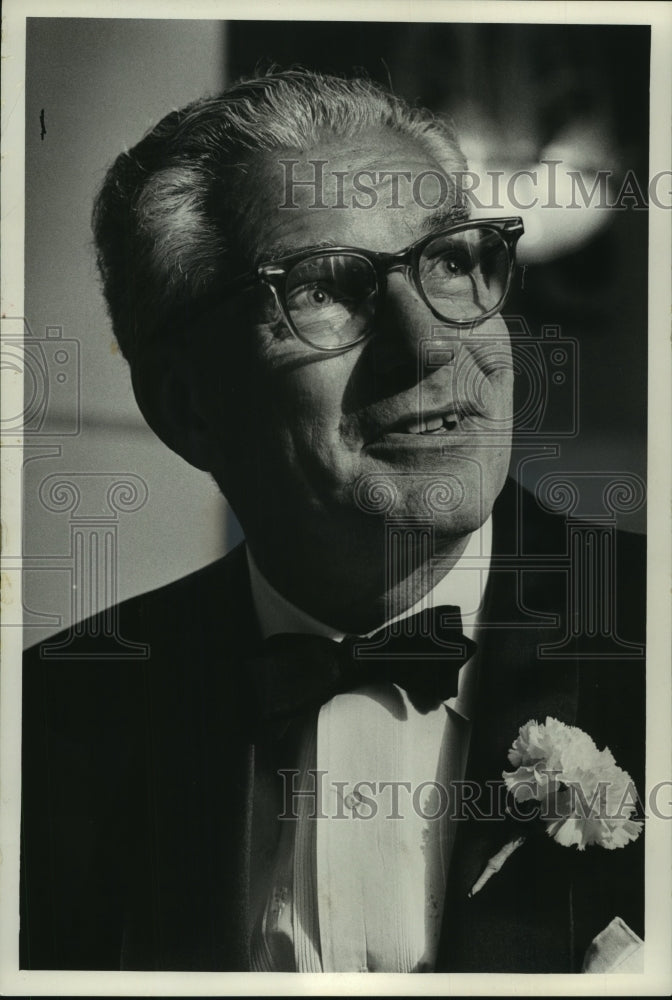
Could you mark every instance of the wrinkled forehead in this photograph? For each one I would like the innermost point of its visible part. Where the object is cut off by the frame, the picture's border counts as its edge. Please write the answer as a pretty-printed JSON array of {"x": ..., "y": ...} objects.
[{"x": 378, "y": 191}]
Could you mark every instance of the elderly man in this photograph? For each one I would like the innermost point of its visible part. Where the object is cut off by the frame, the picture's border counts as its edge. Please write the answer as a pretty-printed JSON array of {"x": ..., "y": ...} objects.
[{"x": 299, "y": 776}]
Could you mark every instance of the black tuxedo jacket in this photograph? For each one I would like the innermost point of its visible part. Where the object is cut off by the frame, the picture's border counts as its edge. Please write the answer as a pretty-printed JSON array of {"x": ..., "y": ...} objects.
[{"x": 138, "y": 772}]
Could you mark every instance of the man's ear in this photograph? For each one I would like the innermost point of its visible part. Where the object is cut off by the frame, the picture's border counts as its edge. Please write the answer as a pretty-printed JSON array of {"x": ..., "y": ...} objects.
[{"x": 170, "y": 398}]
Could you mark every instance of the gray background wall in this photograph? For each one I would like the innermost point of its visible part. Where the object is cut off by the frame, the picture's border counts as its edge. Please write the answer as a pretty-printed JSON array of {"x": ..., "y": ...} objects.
[{"x": 101, "y": 85}]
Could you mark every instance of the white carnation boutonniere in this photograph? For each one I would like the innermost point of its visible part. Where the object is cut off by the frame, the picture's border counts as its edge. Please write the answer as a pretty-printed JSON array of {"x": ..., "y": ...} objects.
[{"x": 577, "y": 792}]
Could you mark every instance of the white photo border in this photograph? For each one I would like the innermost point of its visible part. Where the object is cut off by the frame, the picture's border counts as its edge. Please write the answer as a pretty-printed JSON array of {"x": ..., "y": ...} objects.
[{"x": 656, "y": 980}]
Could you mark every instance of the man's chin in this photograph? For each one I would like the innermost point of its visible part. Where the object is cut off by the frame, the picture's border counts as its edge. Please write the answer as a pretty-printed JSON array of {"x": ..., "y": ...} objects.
[
  {"x": 458, "y": 496},
  {"x": 446, "y": 532}
]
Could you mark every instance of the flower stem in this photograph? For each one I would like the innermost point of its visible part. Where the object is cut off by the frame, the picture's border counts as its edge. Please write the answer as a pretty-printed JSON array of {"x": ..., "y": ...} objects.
[{"x": 495, "y": 863}]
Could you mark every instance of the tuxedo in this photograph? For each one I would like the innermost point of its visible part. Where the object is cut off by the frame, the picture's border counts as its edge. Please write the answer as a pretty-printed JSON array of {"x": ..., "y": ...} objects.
[{"x": 138, "y": 770}]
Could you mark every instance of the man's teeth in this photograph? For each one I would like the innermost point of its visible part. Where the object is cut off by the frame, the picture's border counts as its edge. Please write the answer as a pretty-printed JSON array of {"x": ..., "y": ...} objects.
[{"x": 433, "y": 425}]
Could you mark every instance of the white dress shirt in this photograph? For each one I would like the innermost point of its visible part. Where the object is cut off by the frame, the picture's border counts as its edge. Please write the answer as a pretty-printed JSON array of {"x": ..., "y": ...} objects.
[{"x": 356, "y": 883}]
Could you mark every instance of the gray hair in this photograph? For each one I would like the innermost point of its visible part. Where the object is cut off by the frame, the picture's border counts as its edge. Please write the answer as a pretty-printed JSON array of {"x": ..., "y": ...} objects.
[{"x": 165, "y": 218}]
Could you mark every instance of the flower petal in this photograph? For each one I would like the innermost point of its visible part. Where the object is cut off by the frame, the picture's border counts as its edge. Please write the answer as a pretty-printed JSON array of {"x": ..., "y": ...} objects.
[{"x": 560, "y": 766}]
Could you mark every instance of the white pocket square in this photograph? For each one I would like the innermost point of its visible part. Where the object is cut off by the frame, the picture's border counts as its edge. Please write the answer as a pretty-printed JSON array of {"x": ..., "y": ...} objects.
[{"x": 615, "y": 949}]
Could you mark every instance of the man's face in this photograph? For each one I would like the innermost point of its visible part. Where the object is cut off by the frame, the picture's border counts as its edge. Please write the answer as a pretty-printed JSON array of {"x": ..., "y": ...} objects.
[{"x": 301, "y": 439}]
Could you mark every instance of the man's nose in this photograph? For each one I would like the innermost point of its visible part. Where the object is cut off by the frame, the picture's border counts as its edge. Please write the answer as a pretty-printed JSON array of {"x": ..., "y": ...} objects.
[{"x": 405, "y": 322}]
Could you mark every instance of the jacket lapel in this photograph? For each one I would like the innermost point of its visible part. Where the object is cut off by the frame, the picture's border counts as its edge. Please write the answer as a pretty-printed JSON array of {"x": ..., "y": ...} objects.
[
  {"x": 521, "y": 918},
  {"x": 189, "y": 877}
]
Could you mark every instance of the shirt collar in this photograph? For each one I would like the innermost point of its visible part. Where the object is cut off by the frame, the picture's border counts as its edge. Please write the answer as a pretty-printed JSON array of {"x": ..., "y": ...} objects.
[{"x": 462, "y": 587}]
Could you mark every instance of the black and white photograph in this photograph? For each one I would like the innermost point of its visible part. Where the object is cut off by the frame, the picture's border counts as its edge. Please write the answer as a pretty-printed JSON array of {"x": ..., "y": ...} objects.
[{"x": 340, "y": 643}]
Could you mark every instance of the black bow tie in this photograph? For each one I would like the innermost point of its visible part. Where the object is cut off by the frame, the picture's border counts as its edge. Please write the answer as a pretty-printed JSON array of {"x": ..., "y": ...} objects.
[{"x": 422, "y": 654}]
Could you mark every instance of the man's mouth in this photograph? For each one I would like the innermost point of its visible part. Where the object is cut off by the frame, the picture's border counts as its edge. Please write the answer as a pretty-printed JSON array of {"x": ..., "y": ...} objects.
[{"x": 436, "y": 425}]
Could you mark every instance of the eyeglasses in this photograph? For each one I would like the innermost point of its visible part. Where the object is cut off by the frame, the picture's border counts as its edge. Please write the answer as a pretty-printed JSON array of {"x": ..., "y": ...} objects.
[{"x": 330, "y": 297}]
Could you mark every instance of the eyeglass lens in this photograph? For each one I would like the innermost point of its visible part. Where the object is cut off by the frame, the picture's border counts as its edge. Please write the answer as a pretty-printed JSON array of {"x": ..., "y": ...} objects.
[
  {"x": 464, "y": 275},
  {"x": 331, "y": 298}
]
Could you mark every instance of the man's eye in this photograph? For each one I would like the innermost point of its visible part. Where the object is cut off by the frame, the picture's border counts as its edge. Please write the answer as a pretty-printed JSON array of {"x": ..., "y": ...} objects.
[
  {"x": 311, "y": 297},
  {"x": 451, "y": 264}
]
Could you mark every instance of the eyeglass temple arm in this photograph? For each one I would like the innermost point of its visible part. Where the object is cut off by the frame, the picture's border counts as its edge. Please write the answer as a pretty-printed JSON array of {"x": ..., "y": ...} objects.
[{"x": 247, "y": 280}]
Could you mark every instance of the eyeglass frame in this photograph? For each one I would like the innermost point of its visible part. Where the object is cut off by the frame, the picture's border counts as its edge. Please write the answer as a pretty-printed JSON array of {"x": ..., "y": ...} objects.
[{"x": 274, "y": 273}]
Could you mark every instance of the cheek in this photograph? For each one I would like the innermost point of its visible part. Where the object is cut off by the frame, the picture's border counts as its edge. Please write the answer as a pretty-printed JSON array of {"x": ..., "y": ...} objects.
[
  {"x": 309, "y": 399},
  {"x": 502, "y": 389},
  {"x": 499, "y": 378},
  {"x": 310, "y": 434}
]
